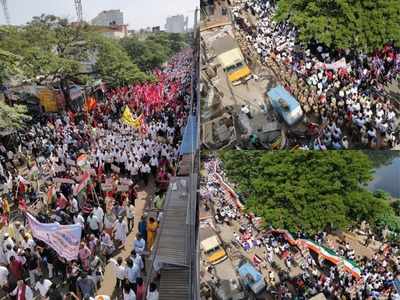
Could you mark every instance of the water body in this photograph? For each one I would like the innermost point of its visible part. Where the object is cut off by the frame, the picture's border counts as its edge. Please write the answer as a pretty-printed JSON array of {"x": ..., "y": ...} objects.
[{"x": 387, "y": 177}]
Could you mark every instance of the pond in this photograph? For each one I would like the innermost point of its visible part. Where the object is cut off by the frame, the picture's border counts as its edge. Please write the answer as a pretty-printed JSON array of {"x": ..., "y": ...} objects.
[{"x": 387, "y": 174}]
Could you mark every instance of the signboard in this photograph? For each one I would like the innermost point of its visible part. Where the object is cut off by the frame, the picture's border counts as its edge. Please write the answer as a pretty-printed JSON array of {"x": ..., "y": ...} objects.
[
  {"x": 64, "y": 239},
  {"x": 59, "y": 168},
  {"x": 123, "y": 188},
  {"x": 64, "y": 180},
  {"x": 106, "y": 187},
  {"x": 109, "y": 181},
  {"x": 126, "y": 181},
  {"x": 115, "y": 168},
  {"x": 48, "y": 99}
]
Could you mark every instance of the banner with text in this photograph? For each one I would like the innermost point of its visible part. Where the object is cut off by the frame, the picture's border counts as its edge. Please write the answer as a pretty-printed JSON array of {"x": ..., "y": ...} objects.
[{"x": 64, "y": 239}]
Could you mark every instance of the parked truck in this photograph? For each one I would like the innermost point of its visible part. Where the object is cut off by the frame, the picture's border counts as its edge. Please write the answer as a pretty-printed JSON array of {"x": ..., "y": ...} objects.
[{"x": 231, "y": 59}]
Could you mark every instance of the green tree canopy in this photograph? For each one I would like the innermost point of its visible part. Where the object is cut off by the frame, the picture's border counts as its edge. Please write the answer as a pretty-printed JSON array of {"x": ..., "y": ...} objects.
[
  {"x": 114, "y": 65},
  {"x": 355, "y": 24},
  {"x": 307, "y": 190},
  {"x": 54, "y": 50},
  {"x": 12, "y": 117},
  {"x": 154, "y": 50},
  {"x": 396, "y": 206}
]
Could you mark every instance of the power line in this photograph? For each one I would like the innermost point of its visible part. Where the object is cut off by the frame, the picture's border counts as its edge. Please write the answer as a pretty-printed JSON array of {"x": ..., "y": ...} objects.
[
  {"x": 5, "y": 11},
  {"x": 78, "y": 7}
]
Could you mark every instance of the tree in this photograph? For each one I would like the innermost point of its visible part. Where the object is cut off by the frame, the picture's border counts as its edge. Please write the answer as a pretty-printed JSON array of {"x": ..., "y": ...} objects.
[
  {"x": 309, "y": 191},
  {"x": 354, "y": 24},
  {"x": 52, "y": 50},
  {"x": 12, "y": 117},
  {"x": 9, "y": 62},
  {"x": 8, "y": 65},
  {"x": 396, "y": 207},
  {"x": 154, "y": 50},
  {"x": 114, "y": 65},
  {"x": 147, "y": 54}
]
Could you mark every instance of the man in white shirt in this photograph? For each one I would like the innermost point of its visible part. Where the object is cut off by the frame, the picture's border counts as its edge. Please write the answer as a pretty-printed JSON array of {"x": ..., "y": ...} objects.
[
  {"x": 22, "y": 291},
  {"x": 152, "y": 294},
  {"x": 99, "y": 213},
  {"x": 128, "y": 293},
  {"x": 132, "y": 271},
  {"x": 120, "y": 230},
  {"x": 3, "y": 276},
  {"x": 137, "y": 259},
  {"x": 145, "y": 173},
  {"x": 79, "y": 219},
  {"x": 139, "y": 245},
  {"x": 120, "y": 271},
  {"x": 130, "y": 215},
  {"x": 43, "y": 286},
  {"x": 245, "y": 110},
  {"x": 94, "y": 224}
]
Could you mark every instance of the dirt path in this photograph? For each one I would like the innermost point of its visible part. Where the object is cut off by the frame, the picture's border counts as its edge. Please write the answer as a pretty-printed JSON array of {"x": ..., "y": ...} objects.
[{"x": 144, "y": 196}]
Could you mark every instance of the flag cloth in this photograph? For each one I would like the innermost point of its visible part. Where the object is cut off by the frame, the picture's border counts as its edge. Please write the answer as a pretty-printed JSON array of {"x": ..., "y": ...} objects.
[
  {"x": 83, "y": 184},
  {"x": 323, "y": 252},
  {"x": 22, "y": 183},
  {"x": 64, "y": 239},
  {"x": 90, "y": 104},
  {"x": 128, "y": 119},
  {"x": 83, "y": 161}
]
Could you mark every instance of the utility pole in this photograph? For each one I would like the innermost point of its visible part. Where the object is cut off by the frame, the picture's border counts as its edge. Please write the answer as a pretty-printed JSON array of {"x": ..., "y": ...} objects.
[
  {"x": 78, "y": 7},
  {"x": 5, "y": 11}
]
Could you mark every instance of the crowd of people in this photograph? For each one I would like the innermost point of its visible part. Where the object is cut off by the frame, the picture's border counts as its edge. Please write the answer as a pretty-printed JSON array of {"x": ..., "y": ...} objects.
[
  {"x": 86, "y": 169},
  {"x": 314, "y": 275},
  {"x": 344, "y": 89}
]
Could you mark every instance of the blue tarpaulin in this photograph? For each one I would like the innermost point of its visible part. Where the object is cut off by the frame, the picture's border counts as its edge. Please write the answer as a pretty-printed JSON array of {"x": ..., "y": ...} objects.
[
  {"x": 293, "y": 113},
  {"x": 396, "y": 284},
  {"x": 249, "y": 269},
  {"x": 189, "y": 140}
]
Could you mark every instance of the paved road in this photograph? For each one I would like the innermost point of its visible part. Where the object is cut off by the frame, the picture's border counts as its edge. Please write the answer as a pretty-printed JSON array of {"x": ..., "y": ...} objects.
[{"x": 144, "y": 196}]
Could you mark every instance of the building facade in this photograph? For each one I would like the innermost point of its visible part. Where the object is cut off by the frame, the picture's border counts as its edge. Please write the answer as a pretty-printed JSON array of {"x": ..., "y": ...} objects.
[
  {"x": 109, "y": 17},
  {"x": 176, "y": 24}
]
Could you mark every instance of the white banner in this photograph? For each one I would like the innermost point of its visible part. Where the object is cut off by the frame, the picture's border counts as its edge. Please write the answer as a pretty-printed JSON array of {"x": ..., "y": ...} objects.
[
  {"x": 64, "y": 239},
  {"x": 340, "y": 64}
]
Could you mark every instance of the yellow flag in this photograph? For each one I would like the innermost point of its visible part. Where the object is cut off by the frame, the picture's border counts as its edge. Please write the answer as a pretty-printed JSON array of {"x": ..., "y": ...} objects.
[{"x": 128, "y": 119}]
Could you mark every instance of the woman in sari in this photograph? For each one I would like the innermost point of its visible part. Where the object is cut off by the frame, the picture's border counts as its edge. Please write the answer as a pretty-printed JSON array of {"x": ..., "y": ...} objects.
[{"x": 152, "y": 226}]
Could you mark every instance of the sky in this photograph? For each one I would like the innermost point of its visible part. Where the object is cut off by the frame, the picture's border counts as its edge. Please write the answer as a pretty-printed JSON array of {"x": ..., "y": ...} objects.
[{"x": 137, "y": 13}]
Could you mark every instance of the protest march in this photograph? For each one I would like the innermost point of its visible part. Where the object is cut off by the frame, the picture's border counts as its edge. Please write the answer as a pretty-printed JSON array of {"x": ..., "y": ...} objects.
[
  {"x": 69, "y": 189},
  {"x": 295, "y": 265},
  {"x": 343, "y": 90}
]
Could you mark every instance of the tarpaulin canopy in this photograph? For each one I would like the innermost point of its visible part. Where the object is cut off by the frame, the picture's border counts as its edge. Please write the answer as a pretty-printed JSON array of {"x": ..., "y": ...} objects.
[
  {"x": 285, "y": 104},
  {"x": 189, "y": 141},
  {"x": 396, "y": 284}
]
